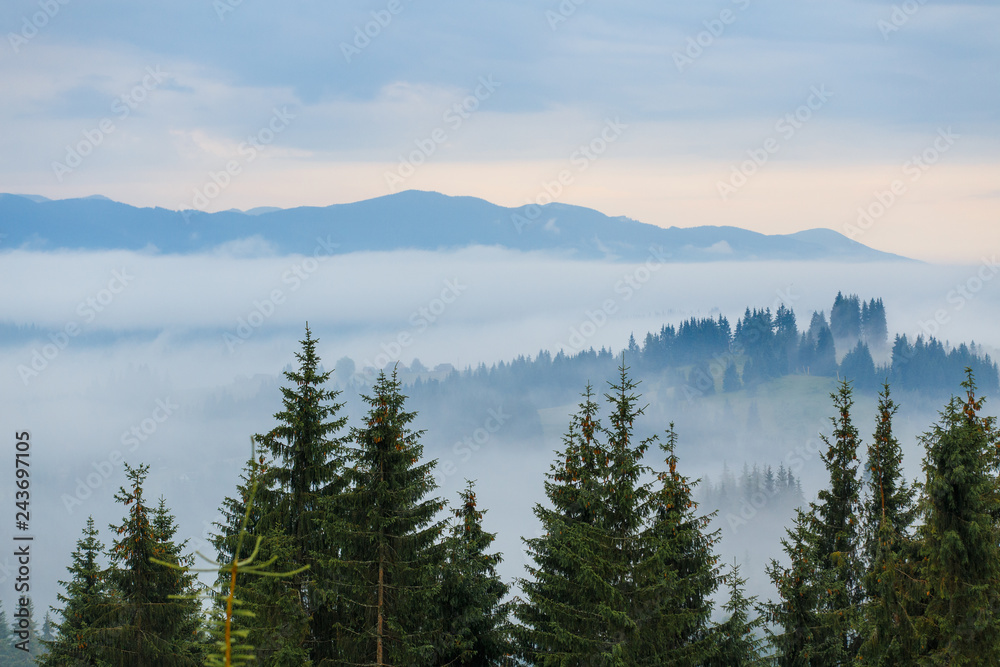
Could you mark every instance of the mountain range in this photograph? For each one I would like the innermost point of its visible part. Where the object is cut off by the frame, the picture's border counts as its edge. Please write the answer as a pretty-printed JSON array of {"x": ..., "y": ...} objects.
[{"x": 408, "y": 220}]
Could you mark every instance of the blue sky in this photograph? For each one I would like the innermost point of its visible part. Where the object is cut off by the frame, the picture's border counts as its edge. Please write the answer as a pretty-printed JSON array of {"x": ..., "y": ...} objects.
[{"x": 773, "y": 116}]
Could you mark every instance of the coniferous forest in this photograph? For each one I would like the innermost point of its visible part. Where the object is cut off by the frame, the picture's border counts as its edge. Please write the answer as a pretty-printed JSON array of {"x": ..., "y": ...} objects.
[{"x": 337, "y": 550}]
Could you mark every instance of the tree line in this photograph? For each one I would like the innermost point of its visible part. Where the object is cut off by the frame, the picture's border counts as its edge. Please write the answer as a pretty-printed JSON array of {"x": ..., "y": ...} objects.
[
  {"x": 703, "y": 356},
  {"x": 372, "y": 569}
]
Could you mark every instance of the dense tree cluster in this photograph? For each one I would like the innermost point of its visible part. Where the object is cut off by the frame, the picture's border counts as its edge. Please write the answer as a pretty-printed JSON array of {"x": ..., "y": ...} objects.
[
  {"x": 373, "y": 569},
  {"x": 881, "y": 573},
  {"x": 703, "y": 356}
]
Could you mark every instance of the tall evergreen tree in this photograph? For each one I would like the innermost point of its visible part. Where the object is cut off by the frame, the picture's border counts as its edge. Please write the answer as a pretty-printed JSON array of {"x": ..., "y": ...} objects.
[
  {"x": 887, "y": 515},
  {"x": 960, "y": 537},
  {"x": 825, "y": 356},
  {"x": 731, "y": 378},
  {"x": 738, "y": 640},
  {"x": 625, "y": 506},
  {"x": 153, "y": 628},
  {"x": 794, "y": 615},
  {"x": 560, "y": 621},
  {"x": 389, "y": 559},
  {"x": 304, "y": 474},
  {"x": 277, "y": 625},
  {"x": 836, "y": 530},
  {"x": 86, "y": 606},
  {"x": 476, "y": 627},
  {"x": 678, "y": 574}
]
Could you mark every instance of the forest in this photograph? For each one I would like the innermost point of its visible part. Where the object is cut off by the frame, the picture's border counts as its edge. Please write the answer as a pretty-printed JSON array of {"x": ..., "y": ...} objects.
[{"x": 335, "y": 550}]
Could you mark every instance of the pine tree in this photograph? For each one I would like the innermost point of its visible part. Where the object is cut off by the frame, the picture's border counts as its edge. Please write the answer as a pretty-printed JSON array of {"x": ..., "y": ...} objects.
[
  {"x": 825, "y": 356},
  {"x": 86, "y": 606},
  {"x": 625, "y": 504},
  {"x": 677, "y": 575},
  {"x": 153, "y": 628},
  {"x": 560, "y": 621},
  {"x": 960, "y": 537},
  {"x": 888, "y": 513},
  {"x": 25, "y": 645},
  {"x": 303, "y": 477},
  {"x": 738, "y": 641},
  {"x": 794, "y": 613},
  {"x": 277, "y": 626},
  {"x": 388, "y": 565},
  {"x": 476, "y": 630},
  {"x": 731, "y": 378},
  {"x": 839, "y": 566}
]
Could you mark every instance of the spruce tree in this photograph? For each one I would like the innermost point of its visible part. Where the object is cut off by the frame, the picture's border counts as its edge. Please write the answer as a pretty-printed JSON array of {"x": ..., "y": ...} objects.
[
  {"x": 560, "y": 619},
  {"x": 678, "y": 573},
  {"x": 738, "y": 640},
  {"x": 793, "y": 615},
  {"x": 390, "y": 556},
  {"x": 476, "y": 629},
  {"x": 24, "y": 651},
  {"x": 304, "y": 474},
  {"x": 153, "y": 628},
  {"x": 837, "y": 531},
  {"x": 960, "y": 540},
  {"x": 889, "y": 550},
  {"x": 86, "y": 606},
  {"x": 626, "y": 506},
  {"x": 277, "y": 626}
]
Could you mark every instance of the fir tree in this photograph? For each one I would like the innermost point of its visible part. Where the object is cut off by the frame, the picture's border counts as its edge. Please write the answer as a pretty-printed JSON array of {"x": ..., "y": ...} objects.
[
  {"x": 560, "y": 622},
  {"x": 738, "y": 641},
  {"x": 389, "y": 560},
  {"x": 277, "y": 626},
  {"x": 960, "y": 538},
  {"x": 794, "y": 613},
  {"x": 836, "y": 536},
  {"x": 303, "y": 477},
  {"x": 731, "y": 378},
  {"x": 153, "y": 628},
  {"x": 678, "y": 574},
  {"x": 887, "y": 513},
  {"x": 476, "y": 630},
  {"x": 26, "y": 647},
  {"x": 86, "y": 606}
]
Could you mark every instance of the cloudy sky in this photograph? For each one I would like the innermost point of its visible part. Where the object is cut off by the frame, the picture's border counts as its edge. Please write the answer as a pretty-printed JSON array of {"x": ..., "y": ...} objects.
[{"x": 774, "y": 116}]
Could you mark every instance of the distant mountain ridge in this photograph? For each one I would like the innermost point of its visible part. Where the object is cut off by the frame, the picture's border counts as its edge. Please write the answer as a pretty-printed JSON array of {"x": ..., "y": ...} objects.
[{"x": 408, "y": 220}]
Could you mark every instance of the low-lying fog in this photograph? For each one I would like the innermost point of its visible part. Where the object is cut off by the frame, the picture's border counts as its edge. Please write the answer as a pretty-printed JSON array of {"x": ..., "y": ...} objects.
[{"x": 175, "y": 361}]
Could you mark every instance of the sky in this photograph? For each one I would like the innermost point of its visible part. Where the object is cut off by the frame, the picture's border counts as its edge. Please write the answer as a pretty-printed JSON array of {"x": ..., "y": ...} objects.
[{"x": 878, "y": 120}]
